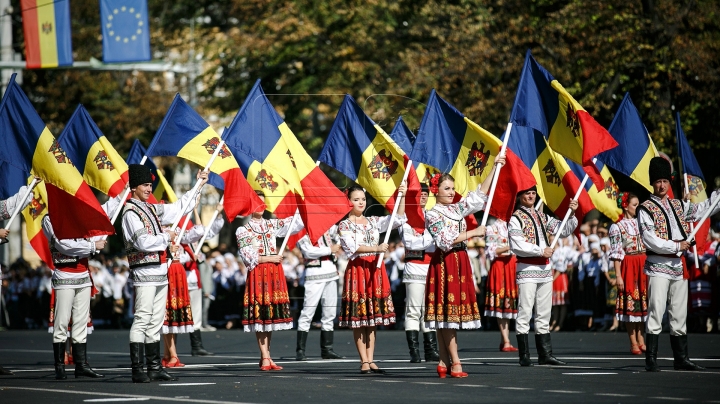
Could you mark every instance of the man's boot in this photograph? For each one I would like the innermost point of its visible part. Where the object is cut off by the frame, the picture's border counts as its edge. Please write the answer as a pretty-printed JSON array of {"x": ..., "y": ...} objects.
[
  {"x": 524, "y": 350},
  {"x": 82, "y": 368},
  {"x": 430, "y": 347},
  {"x": 326, "y": 345},
  {"x": 544, "y": 348},
  {"x": 300, "y": 349},
  {"x": 413, "y": 345},
  {"x": 155, "y": 370},
  {"x": 680, "y": 354},
  {"x": 651, "y": 348},
  {"x": 196, "y": 344},
  {"x": 59, "y": 354},
  {"x": 137, "y": 355}
]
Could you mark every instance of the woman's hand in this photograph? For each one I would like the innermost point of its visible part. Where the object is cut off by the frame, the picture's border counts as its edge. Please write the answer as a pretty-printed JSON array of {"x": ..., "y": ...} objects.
[
  {"x": 382, "y": 248},
  {"x": 479, "y": 231},
  {"x": 403, "y": 187},
  {"x": 619, "y": 283}
]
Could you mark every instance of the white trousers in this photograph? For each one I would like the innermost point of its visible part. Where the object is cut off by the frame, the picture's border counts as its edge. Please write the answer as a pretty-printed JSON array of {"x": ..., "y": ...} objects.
[
  {"x": 71, "y": 304},
  {"x": 150, "y": 304},
  {"x": 196, "y": 299},
  {"x": 662, "y": 293},
  {"x": 320, "y": 292},
  {"x": 539, "y": 297},
  {"x": 415, "y": 307}
]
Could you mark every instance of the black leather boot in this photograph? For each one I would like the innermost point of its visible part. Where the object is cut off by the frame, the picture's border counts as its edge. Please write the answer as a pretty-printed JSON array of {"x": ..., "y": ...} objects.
[
  {"x": 680, "y": 354},
  {"x": 155, "y": 370},
  {"x": 326, "y": 345},
  {"x": 300, "y": 349},
  {"x": 137, "y": 356},
  {"x": 5, "y": 372},
  {"x": 430, "y": 347},
  {"x": 196, "y": 344},
  {"x": 82, "y": 368},
  {"x": 413, "y": 345},
  {"x": 544, "y": 348},
  {"x": 651, "y": 348},
  {"x": 524, "y": 350},
  {"x": 59, "y": 354}
]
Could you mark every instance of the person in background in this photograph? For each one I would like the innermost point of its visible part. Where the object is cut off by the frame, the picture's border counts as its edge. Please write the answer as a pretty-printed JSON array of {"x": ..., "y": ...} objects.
[
  {"x": 610, "y": 288},
  {"x": 560, "y": 260},
  {"x": 501, "y": 290}
]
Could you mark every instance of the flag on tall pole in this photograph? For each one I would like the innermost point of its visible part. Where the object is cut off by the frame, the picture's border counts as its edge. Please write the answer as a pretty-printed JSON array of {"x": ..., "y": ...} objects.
[
  {"x": 48, "y": 39},
  {"x": 28, "y": 145},
  {"x": 125, "y": 31},
  {"x": 605, "y": 199},
  {"x": 34, "y": 214}
]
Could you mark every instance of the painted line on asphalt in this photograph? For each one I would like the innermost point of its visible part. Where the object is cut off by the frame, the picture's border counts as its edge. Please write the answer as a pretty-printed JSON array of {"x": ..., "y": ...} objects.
[
  {"x": 670, "y": 398},
  {"x": 407, "y": 368},
  {"x": 614, "y": 395},
  {"x": 564, "y": 391},
  {"x": 515, "y": 388},
  {"x": 590, "y": 373},
  {"x": 184, "y": 384},
  {"x": 471, "y": 385},
  {"x": 94, "y": 393},
  {"x": 427, "y": 383},
  {"x": 389, "y": 381},
  {"x": 107, "y": 400}
]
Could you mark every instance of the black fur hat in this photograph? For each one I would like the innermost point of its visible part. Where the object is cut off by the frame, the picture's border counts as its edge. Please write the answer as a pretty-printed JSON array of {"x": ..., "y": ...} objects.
[
  {"x": 659, "y": 170},
  {"x": 139, "y": 174}
]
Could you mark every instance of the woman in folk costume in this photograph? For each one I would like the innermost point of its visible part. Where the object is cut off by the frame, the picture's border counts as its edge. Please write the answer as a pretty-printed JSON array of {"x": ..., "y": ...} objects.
[
  {"x": 501, "y": 289},
  {"x": 627, "y": 255},
  {"x": 266, "y": 302},
  {"x": 563, "y": 258},
  {"x": 450, "y": 289},
  {"x": 366, "y": 298}
]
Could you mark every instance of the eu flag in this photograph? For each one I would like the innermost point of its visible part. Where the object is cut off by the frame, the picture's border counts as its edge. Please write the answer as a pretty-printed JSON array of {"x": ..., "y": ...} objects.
[{"x": 125, "y": 31}]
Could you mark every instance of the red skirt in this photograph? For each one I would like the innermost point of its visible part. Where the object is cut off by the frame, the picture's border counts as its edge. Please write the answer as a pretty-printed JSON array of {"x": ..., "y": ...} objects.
[
  {"x": 631, "y": 304},
  {"x": 51, "y": 319},
  {"x": 560, "y": 290},
  {"x": 178, "y": 314},
  {"x": 366, "y": 297},
  {"x": 450, "y": 292},
  {"x": 501, "y": 298},
  {"x": 266, "y": 305}
]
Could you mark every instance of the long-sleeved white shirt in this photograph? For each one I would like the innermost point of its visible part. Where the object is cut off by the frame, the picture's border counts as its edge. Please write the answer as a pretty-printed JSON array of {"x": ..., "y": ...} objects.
[
  {"x": 8, "y": 206},
  {"x": 416, "y": 272},
  {"x": 327, "y": 270}
]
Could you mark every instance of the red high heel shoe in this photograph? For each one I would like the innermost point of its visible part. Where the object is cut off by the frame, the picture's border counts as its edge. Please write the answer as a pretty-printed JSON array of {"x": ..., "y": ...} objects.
[
  {"x": 441, "y": 371},
  {"x": 643, "y": 348},
  {"x": 164, "y": 363},
  {"x": 266, "y": 367},
  {"x": 635, "y": 350},
  {"x": 273, "y": 366},
  {"x": 176, "y": 364},
  {"x": 457, "y": 374},
  {"x": 508, "y": 348}
]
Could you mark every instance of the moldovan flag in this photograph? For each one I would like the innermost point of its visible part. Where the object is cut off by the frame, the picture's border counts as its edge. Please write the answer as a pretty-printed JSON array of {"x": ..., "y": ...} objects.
[
  {"x": 34, "y": 214},
  {"x": 556, "y": 182},
  {"x": 277, "y": 164},
  {"x": 632, "y": 157},
  {"x": 361, "y": 150},
  {"x": 46, "y": 25},
  {"x": 452, "y": 143},
  {"x": 543, "y": 104},
  {"x": 696, "y": 180},
  {"x": 185, "y": 134},
  {"x": 604, "y": 199},
  {"x": 28, "y": 145},
  {"x": 100, "y": 165},
  {"x": 161, "y": 187}
]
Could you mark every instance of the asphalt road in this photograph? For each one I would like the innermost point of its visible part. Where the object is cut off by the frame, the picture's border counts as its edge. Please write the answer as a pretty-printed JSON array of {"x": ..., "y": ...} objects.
[{"x": 600, "y": 369}]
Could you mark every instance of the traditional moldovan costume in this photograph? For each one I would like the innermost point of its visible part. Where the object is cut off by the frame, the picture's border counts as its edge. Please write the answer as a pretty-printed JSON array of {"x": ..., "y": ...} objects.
[
  {"x": 419, "y": 249},
  {"x": 321, "y": 276},
  {"x": 529, "y": 232},
  {"x": 266, "y": 302},
  {"x": 664, "y": 223},
  {"x": 72, "y": 289},
  {"x": 146, "y": 246},
  {"x": 8, "y": 206},
  {"x": 627, "y": 247},
  {"x": 501, "y": 289},
  {"x": 366, "y": 297}
]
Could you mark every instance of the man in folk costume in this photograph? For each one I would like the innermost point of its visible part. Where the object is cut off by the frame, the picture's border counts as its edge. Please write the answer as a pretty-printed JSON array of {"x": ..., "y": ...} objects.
[
  {"x": 529, "y": 232},
  {"x": 73, "y": 288},
  {"x": 321, "y": 276},
  {"x": 419, "y": 248},
  {"x": 664, "y": 227},
  {"x": 147, "y": 248}
]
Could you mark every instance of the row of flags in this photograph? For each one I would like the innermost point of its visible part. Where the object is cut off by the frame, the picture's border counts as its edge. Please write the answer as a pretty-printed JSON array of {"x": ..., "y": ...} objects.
[
  {"x": 48, "y": 32},
  {"x": 259, "y": 152}
]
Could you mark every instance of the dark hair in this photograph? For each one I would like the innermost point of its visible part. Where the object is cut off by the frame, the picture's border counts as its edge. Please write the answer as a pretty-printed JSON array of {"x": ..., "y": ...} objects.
[
  {"x": 424, "y": 188},
  {"x": 353, "y": 188}
]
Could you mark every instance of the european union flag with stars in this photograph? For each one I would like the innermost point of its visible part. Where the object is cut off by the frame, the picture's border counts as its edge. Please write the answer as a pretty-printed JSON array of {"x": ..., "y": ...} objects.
[{"x": 125, "y": 31}]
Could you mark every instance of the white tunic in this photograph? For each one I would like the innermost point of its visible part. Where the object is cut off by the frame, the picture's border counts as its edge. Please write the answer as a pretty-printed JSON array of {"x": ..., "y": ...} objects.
[
  {"x": 7, "y": 207},
  {"x": 447, "y": 222},
  {"x": 496, "y": 236},
  {"x": 261, "y": 239},
  {"x": 416, "y": 271},
  {"x": 326, "y": 271},
  {"x": 354, "y": 235}
]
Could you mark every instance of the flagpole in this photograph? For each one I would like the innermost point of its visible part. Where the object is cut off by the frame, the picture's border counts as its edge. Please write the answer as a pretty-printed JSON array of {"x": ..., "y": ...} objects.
[
  {"x": 18, "y": 208},
  {"x": 394, "y": 213},
  {"x": 692, "y": 225},
  {"x": 496, "y": 175},
  {"x": 207, "y": 228},
  {"x": 539, "y": 204},
  {"x": 700, "y": 222}
]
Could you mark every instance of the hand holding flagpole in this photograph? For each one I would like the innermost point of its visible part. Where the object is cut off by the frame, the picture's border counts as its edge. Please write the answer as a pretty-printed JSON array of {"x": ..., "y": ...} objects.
[
  {"x": 700, "y": 222},
  {"x": 19, "y": 206},
  {"x": 692, "y": 225},
  {"x": 394, "y": 212},
  {"x": 496, "y": 175}
]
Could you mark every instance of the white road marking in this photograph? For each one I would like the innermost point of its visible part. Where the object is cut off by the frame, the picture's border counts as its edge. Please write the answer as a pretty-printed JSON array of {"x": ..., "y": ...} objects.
[
  {"x": 563, "y": 391},
  {"x": 427, "y": 383},
  {"x": 670, "y": 398},
  {"x": 515, "y": 388},
  {"x": 614, "y": 395},
  {"x": 94, "y": 393},
  {"x": 351, "y": 379},
  {"x": 590, "y": 373},
  {"x": 317, "y": 378},
  {"x": 389, "y": 381},
  {"x": 471, "y": 385},
  {"x": 107, "y": 400},
  {"x": 407, "y": 368},
  {"x": 185, "y": 384}
]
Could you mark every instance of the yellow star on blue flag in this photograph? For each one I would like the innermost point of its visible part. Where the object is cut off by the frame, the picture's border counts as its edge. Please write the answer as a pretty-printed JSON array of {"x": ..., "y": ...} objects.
[{"x": 125, "y": 31}]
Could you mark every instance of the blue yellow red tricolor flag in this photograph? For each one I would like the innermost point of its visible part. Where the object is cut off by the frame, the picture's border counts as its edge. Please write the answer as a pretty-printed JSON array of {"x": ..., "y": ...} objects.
[
  {"x": 361, "y": 150},
  {"x": 184, "y": 133},
  {"x": 696, "y": 185},
  {"x": 556, "y": 182},
  {"x": 46, "y": 25},
  {"x": 28, "y": 145},
  {"x": 33, "y": 214},
  {"x": 161, "y": 187},
  {"x": 100, "y": 165},
  {"x": 542, "y": 103},
  {"x": 636, "y": 149},
  {"x": 604, "y": 199},
  {"x": 452, "y": 143},
  {"x": 277, "y": 164}
]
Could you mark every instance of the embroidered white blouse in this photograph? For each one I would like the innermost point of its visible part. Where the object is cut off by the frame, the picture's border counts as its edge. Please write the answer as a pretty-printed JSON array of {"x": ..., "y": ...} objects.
[
  {"x": 630, "y": 244},
  {"x": 447, "y": 222},
  {"x": 354, "y": 235},
  {"x": 259, "y": 237},
  {"x": 496, "y": 236}
]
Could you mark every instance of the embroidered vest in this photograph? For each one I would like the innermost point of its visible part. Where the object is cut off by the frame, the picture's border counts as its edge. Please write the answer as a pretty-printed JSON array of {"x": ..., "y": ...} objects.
[
  {"x": 324, "y": 241},
  {"x": 151, "y": 222},
  {"x": 662, "y": 221},
  {"x": 530, "y": 226},
  {"x": 632, "y": 244}
]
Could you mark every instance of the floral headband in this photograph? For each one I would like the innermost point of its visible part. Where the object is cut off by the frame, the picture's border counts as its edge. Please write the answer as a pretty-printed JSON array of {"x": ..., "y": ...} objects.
[
  {"x": 435, "y": 183},
  {"x": 623, "y": 200}
]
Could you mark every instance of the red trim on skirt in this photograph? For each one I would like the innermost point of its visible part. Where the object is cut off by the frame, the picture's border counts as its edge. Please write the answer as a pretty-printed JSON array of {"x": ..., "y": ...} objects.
[
  {"x": 631, "y": 304},
  {"x": 266, "y": 304},
  {"x": 501, "y": 299},
  {"x": 178, "y": 314},
  {"x": 366, "y": 297},
  {"x": 560, "y": 290},
  {"x": 450, "y": 292}
]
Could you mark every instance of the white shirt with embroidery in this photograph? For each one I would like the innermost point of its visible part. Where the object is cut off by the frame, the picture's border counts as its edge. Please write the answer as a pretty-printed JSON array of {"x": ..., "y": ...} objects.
[
  {"x": 261, "y": 238},
  {"x": 416, "y": 272},
  {"x": 327, "y": 271},
  {"x": 496, "y": 236},
  {"x": 447, "y": 222},
  {"x": 354, "y": 235},
  {"x": 624, "y": 239},
  {"x": 7, "y": 207}
]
